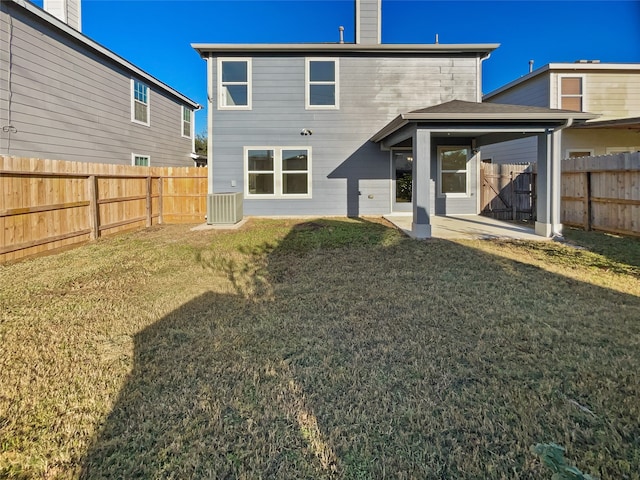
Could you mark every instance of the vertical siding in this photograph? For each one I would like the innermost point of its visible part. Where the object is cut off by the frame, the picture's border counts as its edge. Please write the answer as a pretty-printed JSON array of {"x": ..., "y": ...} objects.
[
  {"x": 534, "y": 93},
  {"x": 68, "y": 103},
  {"x": 350, "y": 174}
]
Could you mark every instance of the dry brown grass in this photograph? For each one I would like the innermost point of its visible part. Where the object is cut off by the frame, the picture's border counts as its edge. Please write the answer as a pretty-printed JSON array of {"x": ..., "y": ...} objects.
[{"x": 335, "y": 349}]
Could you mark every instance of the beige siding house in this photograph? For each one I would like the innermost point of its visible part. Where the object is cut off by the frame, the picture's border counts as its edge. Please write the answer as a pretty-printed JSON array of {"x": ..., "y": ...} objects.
[
  {"x": 64, "y": 96},
  {"x": 611, "y": 90}
]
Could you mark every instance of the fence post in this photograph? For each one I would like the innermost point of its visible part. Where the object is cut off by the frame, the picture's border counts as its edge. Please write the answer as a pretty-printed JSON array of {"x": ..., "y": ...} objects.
[
  {"x": 149, "y": 205},
  {"x": 513, "y": 198},
  {"x": 160, "y": 182},
  {"x": 94, "y": 215},
  {"x": 587, "y": 201}
]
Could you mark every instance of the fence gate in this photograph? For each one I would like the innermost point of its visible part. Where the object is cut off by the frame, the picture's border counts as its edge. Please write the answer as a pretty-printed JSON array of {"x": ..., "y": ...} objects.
[{"x": 508, "y": 191}]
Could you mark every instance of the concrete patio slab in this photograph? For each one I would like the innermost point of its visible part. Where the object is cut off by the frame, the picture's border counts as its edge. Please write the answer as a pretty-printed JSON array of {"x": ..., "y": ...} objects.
[{"x": 467, "y": 227}]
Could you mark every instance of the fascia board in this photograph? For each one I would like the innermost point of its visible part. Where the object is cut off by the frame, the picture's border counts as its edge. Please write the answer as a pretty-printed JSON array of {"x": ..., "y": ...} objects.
[{"x": 334, "y": 48}]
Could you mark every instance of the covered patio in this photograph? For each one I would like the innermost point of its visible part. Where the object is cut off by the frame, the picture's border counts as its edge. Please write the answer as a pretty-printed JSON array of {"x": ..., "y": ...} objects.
[
  {"x": 473, "y": 125},
  {"x": 467, "y": 227}
]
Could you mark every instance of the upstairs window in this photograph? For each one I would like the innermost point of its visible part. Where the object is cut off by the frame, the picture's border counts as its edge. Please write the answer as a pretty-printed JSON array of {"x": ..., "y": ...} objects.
[
  {"x": 322, "y": 86},
  {"x": 571, "y": 93},
  {"x": 187, "y": 114},
  {"x": 234, "y": 84},
  {"x": 139, "y": 102}
]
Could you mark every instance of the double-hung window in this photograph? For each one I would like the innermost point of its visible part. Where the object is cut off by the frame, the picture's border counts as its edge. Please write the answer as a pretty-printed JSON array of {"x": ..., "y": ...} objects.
[
  {"x": 139, "y": 102},
  {"x": 187, "y": 115},
  {"x": 140, "y": 160},
  {"x": 277, "y": 172},
  {"x": 571, "y": 93},
  {"x": 453, "y": 171},
  {"x": 234, "y": 84},
  {"x": 322, "y": 86}
]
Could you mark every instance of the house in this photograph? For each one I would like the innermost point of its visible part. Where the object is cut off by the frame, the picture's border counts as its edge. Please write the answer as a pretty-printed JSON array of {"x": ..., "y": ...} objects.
[
  {"x": 363, "y": 128},
  {"x": 64, "y": 96},
  {"x": 611, "y": 90}
]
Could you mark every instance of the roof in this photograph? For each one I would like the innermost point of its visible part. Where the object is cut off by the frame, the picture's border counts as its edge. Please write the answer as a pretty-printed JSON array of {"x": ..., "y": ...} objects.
[
  {"x": 99, "y": 49},
  {"x": 204, "y": 49},
  {"x": 630, "y": 123},
  {"x": 458, "y": 111},
  {"x": 580, "y": 66}
]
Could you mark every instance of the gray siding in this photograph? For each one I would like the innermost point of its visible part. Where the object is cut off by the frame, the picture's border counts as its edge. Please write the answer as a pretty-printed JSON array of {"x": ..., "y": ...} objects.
[
  {"x": 351, "y": 175},
  {"x": 369, "y": 21},
  {"x": 534, "y": 93},
  {"x": 69, "y": 103},
  {"x": 524, "y": 150},
  {"x": 73, "y": 14}
]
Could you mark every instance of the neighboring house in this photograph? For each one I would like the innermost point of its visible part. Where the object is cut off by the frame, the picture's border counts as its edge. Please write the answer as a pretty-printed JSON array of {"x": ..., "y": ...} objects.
[
  {"x": 362, "y": 128},
  {"x": 611, "y": 90},
  {"x": 64, "y": 96}
]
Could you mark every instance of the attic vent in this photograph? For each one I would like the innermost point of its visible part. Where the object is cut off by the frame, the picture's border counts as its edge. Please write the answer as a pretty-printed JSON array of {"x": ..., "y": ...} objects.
[{"x": 587, "y": 61}]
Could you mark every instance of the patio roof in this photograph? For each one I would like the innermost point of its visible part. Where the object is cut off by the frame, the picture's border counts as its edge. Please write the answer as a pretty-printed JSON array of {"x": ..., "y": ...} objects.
[
  {"x": 631, "y": 123},
  {"x": 481, "y": 116}
]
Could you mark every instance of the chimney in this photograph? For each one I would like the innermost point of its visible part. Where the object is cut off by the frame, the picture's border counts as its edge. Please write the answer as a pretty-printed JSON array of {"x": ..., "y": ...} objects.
[
  {"x": 368, "y": 22},
  {"x": 68, "y": 11}
]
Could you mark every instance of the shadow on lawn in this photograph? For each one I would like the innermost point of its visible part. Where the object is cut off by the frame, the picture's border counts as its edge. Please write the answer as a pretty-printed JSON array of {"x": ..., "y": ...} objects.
[{"x": 366, "y": 355}]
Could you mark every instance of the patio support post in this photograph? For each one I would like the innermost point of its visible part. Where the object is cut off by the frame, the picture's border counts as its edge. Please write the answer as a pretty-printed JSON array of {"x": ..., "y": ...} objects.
[
  {"x": 548, "y": 185},
  {"x": 210, "y": 107},
  {"x": 421, "y": 226}
]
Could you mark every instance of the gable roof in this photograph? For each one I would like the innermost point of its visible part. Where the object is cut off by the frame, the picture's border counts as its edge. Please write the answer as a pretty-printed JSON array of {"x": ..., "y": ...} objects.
[
  {"x": 576, "y": 67},
  {"x": 102, "y": 51},
  {"x": 458, "y": 111}
]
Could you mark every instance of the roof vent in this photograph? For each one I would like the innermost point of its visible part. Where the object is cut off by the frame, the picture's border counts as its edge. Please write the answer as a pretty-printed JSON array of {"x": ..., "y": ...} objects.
[
  {"x": 341, "y": 30},
  {"x": 587, "y": 61}
]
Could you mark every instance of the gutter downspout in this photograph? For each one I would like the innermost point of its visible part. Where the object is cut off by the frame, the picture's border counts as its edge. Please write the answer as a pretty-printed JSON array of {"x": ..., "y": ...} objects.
[{"x": 479, "y": 76}]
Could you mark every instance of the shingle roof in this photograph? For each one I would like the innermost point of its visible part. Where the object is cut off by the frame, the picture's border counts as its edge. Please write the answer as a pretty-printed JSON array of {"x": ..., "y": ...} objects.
[
  {"x": 456, "y": 112},
  {"x": 461, "y": 107}
]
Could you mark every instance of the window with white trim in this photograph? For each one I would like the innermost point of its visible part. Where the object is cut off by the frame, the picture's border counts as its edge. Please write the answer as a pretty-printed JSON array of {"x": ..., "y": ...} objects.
[
  {"x": 139, "y": 102},
  {"x": 234, "y": 84},
  {"x": 571, "y": 93},
  {"x": 187, "y": 115},
  {"x": 322, "y": 86},
  {"x": 140, "y": 160},
  {"x": 453, "y": 171},
  {"x": 277, "y": 172}
]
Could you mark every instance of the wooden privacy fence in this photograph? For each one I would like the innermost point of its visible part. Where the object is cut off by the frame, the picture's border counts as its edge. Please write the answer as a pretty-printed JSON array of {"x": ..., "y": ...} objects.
[
  {"x": 50, "y": 204},
  {"x": 508, "y": 191},
  {"x": 602, "y": 193}
]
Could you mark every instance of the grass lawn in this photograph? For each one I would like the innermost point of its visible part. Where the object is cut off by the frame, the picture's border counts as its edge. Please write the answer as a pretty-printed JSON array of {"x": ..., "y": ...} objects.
[{"x": 325, "y": 349}]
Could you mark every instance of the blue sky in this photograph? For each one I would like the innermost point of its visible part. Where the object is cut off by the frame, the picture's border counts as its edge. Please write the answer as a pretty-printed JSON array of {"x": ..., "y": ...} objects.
[{"x": 156, "y": 34}]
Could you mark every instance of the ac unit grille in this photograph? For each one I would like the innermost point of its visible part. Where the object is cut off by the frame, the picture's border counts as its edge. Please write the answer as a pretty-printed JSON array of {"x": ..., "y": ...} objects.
[{"x": 224, "y": 208}]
